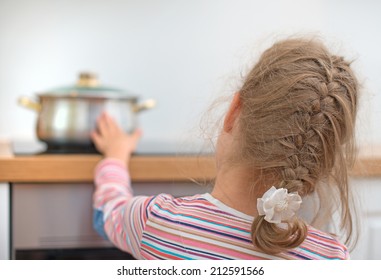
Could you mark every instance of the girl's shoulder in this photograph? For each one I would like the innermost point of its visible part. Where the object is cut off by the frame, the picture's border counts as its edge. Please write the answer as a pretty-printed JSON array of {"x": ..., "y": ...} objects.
[
  {"x": 199, "y": 204},
  {"x": 321, "y": 245},
  {"x": 178, "y": 204}
]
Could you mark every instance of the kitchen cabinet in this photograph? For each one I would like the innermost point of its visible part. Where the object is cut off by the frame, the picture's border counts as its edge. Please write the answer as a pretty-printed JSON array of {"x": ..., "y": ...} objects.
[
  {"x": 58, "y": 216},
  {"x": 55, "y": 190},
  {"x": 368, "y": 196},
  {"x": 4, "y": 221}
]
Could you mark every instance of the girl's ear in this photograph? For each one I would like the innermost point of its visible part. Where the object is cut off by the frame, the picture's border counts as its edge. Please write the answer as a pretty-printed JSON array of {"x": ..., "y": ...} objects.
[{"x": 233, "y": 113}]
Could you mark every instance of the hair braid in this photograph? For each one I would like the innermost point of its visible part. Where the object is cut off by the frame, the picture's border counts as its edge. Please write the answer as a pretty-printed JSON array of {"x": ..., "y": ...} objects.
[{"x": 298, "y": 110}]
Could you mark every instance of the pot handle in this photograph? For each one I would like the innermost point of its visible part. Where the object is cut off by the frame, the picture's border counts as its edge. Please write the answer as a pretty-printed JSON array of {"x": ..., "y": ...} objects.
[
  {"x": 30, "y": 104},
  {"x": 145, "y": 105}
]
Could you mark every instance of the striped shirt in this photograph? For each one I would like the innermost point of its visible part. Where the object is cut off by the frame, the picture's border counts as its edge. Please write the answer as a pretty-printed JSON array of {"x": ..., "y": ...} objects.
[{"x": 192, "y": 227}]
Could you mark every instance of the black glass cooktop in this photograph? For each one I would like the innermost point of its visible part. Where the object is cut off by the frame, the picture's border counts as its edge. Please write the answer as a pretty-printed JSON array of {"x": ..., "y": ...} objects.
[
  {"x": 34, "y": 148},
  {"x": 144, "y": 148}
]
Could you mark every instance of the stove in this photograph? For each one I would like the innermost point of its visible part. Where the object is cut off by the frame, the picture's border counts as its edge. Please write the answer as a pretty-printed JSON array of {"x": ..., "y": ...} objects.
[
  {"x": 54, "y": 220},
  {"x": 41, "y": 148},
  {"x": 144, "y": 148}
]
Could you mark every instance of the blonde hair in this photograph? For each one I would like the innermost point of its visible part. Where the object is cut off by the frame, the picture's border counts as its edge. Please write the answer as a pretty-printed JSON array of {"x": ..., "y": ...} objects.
[{"x": 298, "y": 109}]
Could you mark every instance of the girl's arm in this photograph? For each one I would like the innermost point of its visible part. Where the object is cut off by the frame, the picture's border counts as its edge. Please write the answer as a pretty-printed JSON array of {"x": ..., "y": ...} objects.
[
  {"x": 118, "y": 215},
  {"x": 112, "y": 191}
]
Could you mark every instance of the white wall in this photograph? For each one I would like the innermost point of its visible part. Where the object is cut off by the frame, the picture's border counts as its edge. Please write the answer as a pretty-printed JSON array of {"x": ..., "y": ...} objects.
[{"x": 183, "y": 53}]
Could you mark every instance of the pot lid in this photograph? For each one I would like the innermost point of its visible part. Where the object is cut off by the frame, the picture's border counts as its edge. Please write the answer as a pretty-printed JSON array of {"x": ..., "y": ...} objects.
[{"x": 88, "y": 86}]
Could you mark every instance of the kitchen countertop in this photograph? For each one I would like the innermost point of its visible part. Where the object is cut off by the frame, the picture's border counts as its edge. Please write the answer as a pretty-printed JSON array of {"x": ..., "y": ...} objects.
[
  {"x": 158, "y": 168},
  {"x": 79, "y": 167}
]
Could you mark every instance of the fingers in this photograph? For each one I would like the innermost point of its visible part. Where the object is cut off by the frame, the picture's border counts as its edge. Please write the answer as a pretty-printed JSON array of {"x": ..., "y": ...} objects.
[
  {"x": 102, "y": 124},
  {"x": 98, "y": 141},
  {"x": 134, "y": 138},
  {"x": 138, "y": 133},
  {"x": 108, "y": 124}
]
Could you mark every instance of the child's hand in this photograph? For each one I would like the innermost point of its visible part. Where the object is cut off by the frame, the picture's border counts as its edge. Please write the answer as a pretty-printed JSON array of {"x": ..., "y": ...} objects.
[{"x": 111, "y": 141}]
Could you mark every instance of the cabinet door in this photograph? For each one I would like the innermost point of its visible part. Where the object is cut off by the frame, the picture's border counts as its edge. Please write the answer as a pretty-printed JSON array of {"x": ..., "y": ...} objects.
[
  {"x": 375, "y": 239},
  {"x": 4, "y": 221},
  {"x": 368, "y": 196},
  {"x": 55, "y": 216}
]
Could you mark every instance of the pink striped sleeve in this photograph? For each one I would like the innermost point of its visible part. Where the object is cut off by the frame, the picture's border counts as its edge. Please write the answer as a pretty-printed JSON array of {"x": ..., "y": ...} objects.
[{"x": 124, "y": 216}]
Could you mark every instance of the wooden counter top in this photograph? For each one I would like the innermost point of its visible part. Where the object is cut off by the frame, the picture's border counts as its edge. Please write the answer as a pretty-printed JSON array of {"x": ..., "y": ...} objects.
[{"x": 79, "y": 168}]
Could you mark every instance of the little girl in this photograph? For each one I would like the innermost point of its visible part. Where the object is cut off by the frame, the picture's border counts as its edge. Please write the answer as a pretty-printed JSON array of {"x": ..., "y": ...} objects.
[{"x": 286, "y": 136}]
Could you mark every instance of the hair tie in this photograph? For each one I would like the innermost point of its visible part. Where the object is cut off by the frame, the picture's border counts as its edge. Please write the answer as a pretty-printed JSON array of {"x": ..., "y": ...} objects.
[{"x": 277, "y": 205}]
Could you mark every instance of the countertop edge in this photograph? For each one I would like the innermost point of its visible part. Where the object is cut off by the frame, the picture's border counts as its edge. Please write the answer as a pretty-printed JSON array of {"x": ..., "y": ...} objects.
[
  {"x": 143, "y": 168},
  {"x": 78, "y": 168}
]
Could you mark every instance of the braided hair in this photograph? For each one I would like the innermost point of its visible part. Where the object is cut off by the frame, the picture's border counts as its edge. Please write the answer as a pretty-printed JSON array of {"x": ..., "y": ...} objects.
[{"x": 299, "y": 104}]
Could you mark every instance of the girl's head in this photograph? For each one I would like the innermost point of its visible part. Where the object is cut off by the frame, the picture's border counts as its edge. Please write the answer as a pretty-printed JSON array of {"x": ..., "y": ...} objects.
[{"x": 295, "y": 126}]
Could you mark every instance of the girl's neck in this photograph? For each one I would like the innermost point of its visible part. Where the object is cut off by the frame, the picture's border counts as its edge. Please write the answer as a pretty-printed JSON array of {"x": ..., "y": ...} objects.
[{"x": 236, "y": 188}]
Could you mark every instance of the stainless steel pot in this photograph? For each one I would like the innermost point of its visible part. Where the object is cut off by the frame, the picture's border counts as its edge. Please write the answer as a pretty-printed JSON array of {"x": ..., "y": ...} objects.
[{"x": 66, "y": 116}]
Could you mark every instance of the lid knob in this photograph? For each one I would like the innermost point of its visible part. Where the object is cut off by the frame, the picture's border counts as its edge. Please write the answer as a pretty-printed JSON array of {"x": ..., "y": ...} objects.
[{"x": 87, "y": 79}]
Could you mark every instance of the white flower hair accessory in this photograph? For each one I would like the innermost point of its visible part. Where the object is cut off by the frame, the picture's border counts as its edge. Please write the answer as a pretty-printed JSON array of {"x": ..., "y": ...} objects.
[{"x": 277, "y": 205}]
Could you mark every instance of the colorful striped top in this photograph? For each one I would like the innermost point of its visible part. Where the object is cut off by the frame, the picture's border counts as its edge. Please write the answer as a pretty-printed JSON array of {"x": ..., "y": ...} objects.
[{"x": 193, "y": 227}]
